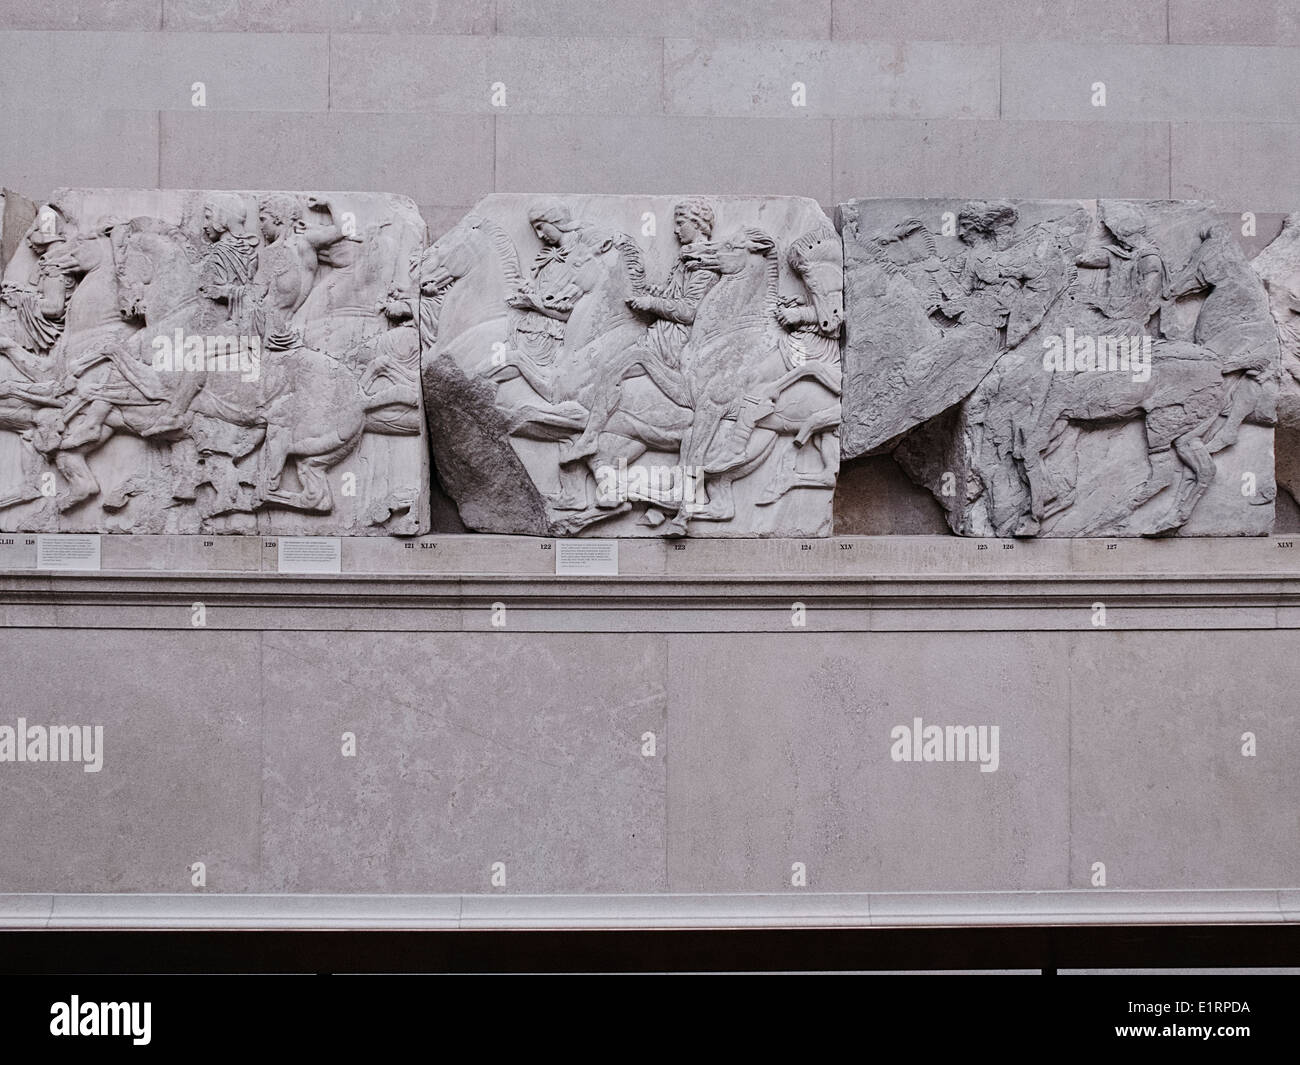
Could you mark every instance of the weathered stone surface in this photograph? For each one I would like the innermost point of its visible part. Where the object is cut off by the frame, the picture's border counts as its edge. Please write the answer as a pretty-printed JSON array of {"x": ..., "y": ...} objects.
[
  {"x": 16, "y": 215},
  {"x": 686, "y": 381},
  {"x": 1278, "y": 266},
  {"x": 187, "y": 361},
  {"x": 1063, "y": 368}
]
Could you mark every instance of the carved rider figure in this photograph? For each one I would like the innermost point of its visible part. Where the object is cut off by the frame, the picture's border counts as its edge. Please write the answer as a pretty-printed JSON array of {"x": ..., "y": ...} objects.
[
  {"x": 227, "y": 270},
  {"x": 549, "y": 297},
  {"x": 288, "y": 264},
  {"x": 671, "y": 306},
  {"x": 1130, "y": 291},
  {"x": 229, "y": 259},
  {"x": 39, "y": 301}
]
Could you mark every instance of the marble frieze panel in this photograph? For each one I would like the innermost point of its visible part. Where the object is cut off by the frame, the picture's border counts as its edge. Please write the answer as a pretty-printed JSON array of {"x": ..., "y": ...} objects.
[
  {"x": 1065, "y": 368},
  {"x": 212, "y": 362},
  {"x": 636, "y": 365}
]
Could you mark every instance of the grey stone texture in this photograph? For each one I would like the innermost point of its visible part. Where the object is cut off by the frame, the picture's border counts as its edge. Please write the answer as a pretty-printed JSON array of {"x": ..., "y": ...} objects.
[
  {"x": 442, "y": 160},
  {"x": 623, "y": 366},
  {"x": 460, "y": 767},
  {"x": 162, "y": 71},
  {"x": 182, "y": 745},
  {"x": 215, "y": 362},
  {"x": 751, "y": 78},
  {"x": 525, "y": 744},
  {"x": 1123, "y": 791},
  {"x": 727, "y": 156},
  {"x": 1271, "y": 22},
  {"x": 329, "y": 16},
  {"x": 1012, "y": 22},
  {"x": 1065, "y": 368},
  {"x": 1004, "y": 157},
  {"x": 631, "y": 18},
  {"x": 41, "y": 150},
  {"x": 1176, "y": 83},
  {"x": 76, "y": 15},
  {"x": 601, "y": 71},
  {"x": 486, "y": 75},
  {"x": 813, "y": 779},
  {"x": 1205, "y": 163}
]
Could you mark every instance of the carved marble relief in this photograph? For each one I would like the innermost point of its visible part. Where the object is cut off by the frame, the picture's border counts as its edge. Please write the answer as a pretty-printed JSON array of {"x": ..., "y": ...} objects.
[
  {"x": 1278, "y": 266},
  {"x": 636, "y": 365},
  {"x": 212, "y": 362},
  {"x": 1051, "y": 368}
]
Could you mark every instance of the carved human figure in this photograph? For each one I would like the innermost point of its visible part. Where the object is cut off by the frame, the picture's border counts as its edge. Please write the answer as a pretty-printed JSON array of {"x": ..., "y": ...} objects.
[
  {"x": 735, "y": 332},
  {"x": 571, "y": 342},
  {"x": 796, "y": 390},
  {"x": 39, "y": 300},
  {"x": 226, "y": 269},
  {"x": 229, "y": 261},
  {"x": 672, "y": 305},
  {"x": 1128, "y": 295},
  {"x": 552, "y": 290},
  {"x": 288, "y": 263},
  {"x": 53, "y": 389},
  {"x": 671, "y": 309}
]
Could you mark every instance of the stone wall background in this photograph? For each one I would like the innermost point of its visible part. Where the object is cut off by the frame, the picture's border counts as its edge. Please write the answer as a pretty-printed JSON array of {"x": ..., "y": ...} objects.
[{"x": 904, "y": 98}]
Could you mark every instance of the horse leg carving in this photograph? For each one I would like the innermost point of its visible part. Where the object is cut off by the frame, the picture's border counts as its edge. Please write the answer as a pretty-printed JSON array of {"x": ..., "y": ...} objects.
[
  {"x": 1165, "y": 469},
  {"x": 275, "y": 453},
  {"x": 721, "y": 505},
  {"x": 1196, "y": 456},
  {"x": 76, "y": 474},
  {"x": 827, "y": 447},
  {"x": 695, "y": 446}
]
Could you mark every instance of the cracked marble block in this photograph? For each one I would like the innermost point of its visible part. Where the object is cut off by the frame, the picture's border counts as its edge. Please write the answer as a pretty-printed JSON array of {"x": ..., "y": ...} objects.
[
  {"x": 212, "y": 362},
  {"x": 636, "y": 365},
  {"x": 1064, "y": 368},
  {"x": 1278, "y": 266}
]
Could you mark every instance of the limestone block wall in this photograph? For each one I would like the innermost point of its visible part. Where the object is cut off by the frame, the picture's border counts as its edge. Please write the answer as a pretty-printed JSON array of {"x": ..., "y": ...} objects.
[{"x": 666, "y": 731}]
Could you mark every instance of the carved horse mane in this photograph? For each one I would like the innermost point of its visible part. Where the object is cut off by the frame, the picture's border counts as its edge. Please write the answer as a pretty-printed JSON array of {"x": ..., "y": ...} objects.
[
  {"x": 506, "y": 251},
  {"x": 120, "y": 232}
]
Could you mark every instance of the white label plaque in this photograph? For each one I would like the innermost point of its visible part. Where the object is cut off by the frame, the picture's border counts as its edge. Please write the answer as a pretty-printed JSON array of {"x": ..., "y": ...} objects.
[
  {"x": 64, "y": 551},
  {"x": 310, "y": 554},
  {"x": 592, "y": 558}
]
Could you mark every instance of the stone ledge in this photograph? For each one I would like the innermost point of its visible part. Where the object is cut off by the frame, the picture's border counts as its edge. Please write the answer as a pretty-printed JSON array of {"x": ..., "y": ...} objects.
[
  {"x": 795, "y": 910},
  {"x": 874, "y": 557},
  {"x": 1012, "y": 602}
]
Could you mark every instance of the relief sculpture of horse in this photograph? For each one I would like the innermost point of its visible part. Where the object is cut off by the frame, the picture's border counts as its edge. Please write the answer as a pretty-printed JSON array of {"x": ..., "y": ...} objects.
[{"x": 304, "y": 404}]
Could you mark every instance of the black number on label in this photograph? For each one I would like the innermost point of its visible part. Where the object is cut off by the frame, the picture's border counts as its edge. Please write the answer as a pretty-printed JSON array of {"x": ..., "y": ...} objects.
[
  {"x": 981, "y": 547},
  {"x": 1008, "y": 547},
  {"x": 846, "y": 547},
  {"x": 268, "y": 543},
  {"x": 428, "y": 547},
  {"x": 544, "y": 547},
  {"x": 679, "y": 547},
  {"x": 209, "y": 543},
  {"x": 1285, "y": 543}
]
